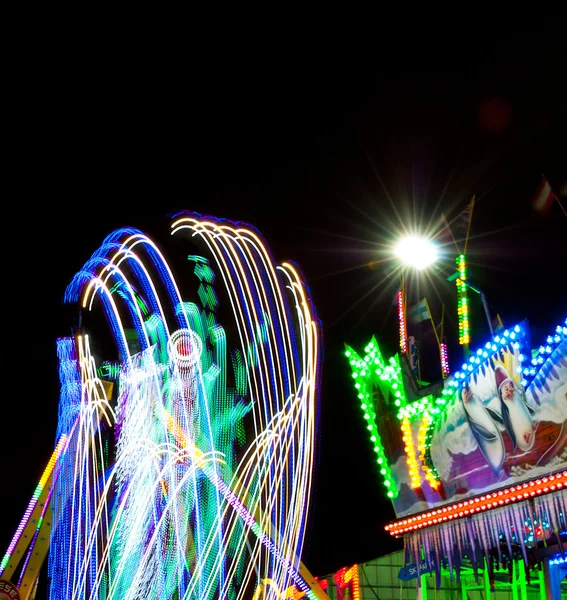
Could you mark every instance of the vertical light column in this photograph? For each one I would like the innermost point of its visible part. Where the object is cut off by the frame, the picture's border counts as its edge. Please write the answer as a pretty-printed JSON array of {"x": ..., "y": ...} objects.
[
  {"x": 486, "y": 580},
  {"x": 515, "y": 580},
  {"x": 463, "y": 302},
  {"x": 522, "y": 579},
  {"x": 444, "y": 359},
  {"x": 411, "y": 458},
  {"x": 421, "y": 588},
  {"x": 403, "y": 323},
  {"x": 348, "y": 579}
]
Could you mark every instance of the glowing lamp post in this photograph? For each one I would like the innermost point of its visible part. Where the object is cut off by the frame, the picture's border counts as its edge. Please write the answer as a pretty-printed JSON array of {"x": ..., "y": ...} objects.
[{"x": 418, "y": 253}]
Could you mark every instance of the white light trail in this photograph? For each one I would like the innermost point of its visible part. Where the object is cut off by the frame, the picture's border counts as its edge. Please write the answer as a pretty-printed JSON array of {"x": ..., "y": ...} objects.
[{"x": 158, "y": 498}]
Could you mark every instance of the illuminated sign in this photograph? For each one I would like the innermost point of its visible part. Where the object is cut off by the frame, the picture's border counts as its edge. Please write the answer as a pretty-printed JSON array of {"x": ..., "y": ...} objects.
[{"x": 410, "y": 571}]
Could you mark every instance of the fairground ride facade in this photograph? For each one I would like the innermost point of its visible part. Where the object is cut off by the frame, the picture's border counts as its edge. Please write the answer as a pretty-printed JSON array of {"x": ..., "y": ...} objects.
[
  {"x": 186, "y": 432},
  {"x": 475, "y": 465}
]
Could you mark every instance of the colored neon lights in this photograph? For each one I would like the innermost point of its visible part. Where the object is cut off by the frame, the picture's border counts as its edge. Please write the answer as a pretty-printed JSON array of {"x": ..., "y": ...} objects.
[
  {"x": 424, "y": 439},
  {"x": 292, "y": 593},
  {"x": 458, "y": 510},
  {"x": 418, "y": 419},
  {"x": 207, "y": 485},
  {"x": 515, "y": 339},
  {"x": 462, "y": 301},
  {"x": 411, "y": 459},
  {"x": 444, "y": 359},
  {"x": 529, "y": 373},
  {"x": 403, "y": 322},
  {"x": 369, "y": 374},
  {"x": 47, "y": 473},
  {"x": 348, "y": 580}
]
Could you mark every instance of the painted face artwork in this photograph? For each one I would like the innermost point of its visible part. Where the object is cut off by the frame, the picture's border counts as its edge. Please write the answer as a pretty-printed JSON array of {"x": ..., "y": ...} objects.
[
  {"x": 515, "y": 412},
  {"x": 507, "y": 390}
]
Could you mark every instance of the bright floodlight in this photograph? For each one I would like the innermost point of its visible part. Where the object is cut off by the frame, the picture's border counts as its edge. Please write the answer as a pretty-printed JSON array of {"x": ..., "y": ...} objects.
[{"x": 417, "y": 252}]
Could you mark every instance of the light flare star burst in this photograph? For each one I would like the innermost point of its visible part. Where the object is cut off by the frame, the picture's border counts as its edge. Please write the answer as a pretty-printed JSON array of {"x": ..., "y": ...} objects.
[{"x": 416, "y": 251}]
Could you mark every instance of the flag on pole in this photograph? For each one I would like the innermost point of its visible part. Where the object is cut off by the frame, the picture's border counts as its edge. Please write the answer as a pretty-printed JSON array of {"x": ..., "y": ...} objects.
[
  {"x": 444, "y": 237},
  {"x": 419, "y": 312},
  {"x": 461, "y": 222},
  {"x": 543, "y": 198},
  {"x": 497, "y": 324}
]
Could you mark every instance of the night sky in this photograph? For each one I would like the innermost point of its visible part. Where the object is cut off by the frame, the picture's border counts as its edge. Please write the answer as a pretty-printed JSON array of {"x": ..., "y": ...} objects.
[{"x": 331, "y": 158}]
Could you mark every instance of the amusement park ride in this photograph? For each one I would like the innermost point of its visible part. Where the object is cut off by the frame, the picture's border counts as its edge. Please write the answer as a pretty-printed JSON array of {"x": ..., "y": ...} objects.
[
  {"x": 187, "y": 419},
  {"x": 475, "y": 465},
  {"x": 184, "y": 450}
]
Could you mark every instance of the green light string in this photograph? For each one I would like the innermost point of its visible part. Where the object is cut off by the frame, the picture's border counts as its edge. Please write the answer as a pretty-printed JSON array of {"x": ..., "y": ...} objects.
[{"x": 371, "y": 373}]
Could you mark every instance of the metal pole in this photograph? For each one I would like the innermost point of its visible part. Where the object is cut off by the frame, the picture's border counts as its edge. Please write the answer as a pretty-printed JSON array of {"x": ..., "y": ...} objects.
[
  {"x": 484, "y": 304},
  {"x": 487, "y": 313}
]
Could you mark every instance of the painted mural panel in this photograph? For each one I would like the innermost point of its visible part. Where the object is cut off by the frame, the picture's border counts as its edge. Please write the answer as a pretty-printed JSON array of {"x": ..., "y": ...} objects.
[{"x": 503, "y": 421}]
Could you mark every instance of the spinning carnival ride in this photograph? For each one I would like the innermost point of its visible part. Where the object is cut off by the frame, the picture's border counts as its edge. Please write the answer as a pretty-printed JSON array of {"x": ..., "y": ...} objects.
[{"x": 186, "y": 429}]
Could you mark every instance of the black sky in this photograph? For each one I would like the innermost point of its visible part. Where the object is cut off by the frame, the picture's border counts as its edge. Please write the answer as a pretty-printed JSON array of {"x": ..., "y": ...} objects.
[{"x": 328, "y": 158}]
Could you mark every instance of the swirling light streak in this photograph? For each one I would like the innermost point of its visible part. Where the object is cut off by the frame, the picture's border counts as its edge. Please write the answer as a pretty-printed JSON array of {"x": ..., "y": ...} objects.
[
  {"x": 111, "y": 259},
  {"x": 125, "y": 251},
  {"x": 101, "y": 283},
  {"x": 221, "y": 242},
  {"x": 218, "y": 241},
  {"x": 176, "y": 421}
]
